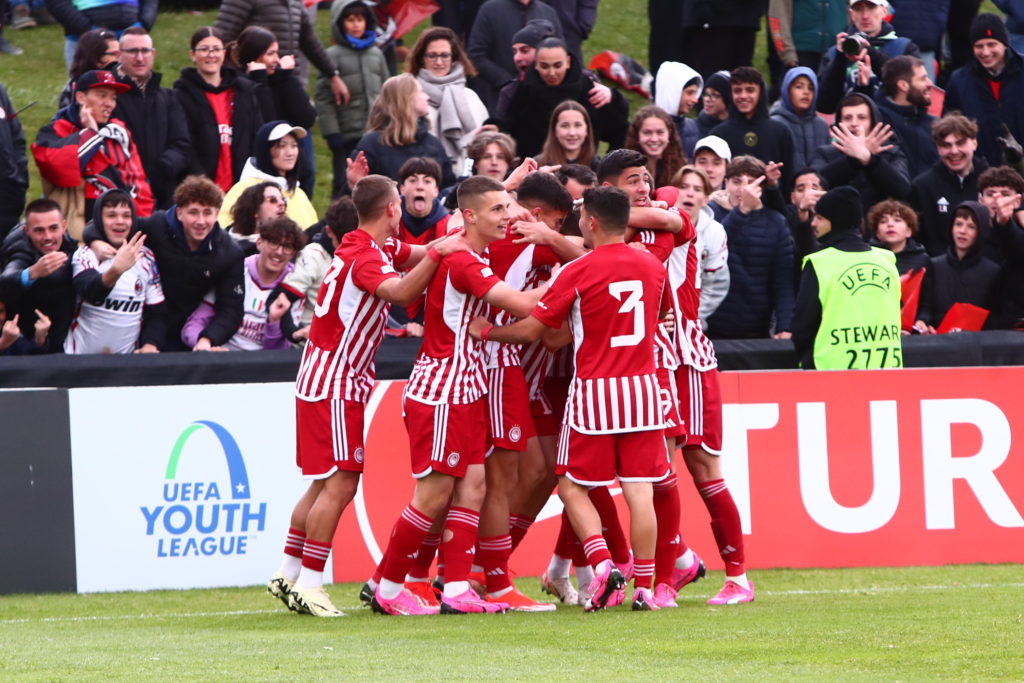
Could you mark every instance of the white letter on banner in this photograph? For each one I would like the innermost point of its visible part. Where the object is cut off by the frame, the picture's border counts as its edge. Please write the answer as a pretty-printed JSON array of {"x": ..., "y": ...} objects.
[
  {"x": 737, "y": 420},
  {"x": 978, "y": 470},
  {"x": 815, "y": 490}
]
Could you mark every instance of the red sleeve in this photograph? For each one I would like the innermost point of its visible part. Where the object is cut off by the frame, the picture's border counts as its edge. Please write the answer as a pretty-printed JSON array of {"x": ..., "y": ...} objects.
[
  {"x": 555, "y": 304},
  {"x": 658, "y": 242},
  {"x": 470, "y": 274},
  {"x": 544, "y": 255},
  {"x": 56, "y": 153},
  {"x": 400, "y": 251},
  {"x": 688, "y": 231},
  {"x": 369, "y": 270},
  {"x": 668, "y": 194}
]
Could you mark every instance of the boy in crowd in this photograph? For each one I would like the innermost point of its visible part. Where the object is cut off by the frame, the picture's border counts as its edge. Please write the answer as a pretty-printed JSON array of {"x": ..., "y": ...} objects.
[
  {"x": 796, "y": 110},
  {"x": 1001, "y": 189},
  {"x": 893, "y": 225}
]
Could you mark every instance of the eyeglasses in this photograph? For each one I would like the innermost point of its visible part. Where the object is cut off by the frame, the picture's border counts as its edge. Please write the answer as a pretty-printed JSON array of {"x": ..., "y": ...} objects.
[
  {"x": 209, "y": 49},
  {"x": 112, "y": 53},
  {"x": 138, "y": 51},
  {"x": 437, "y": 56},
  {"x": 274, "y": 199}
]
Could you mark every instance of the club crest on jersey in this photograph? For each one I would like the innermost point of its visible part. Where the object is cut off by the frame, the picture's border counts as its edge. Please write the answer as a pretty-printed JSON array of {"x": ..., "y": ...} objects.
[
  {"x": 357, "y": 455},
  {"x": 138, "y": 287},
  {"x": 453, "y": 459},
  {"x": 515, "y": 434},
  {"x": 750, "y": 139}
]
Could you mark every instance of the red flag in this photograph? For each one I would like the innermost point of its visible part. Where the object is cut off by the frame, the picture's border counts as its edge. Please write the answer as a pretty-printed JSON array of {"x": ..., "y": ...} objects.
[
  {"x": 910, "y": 296},
  {"x": 963, "y": 317}
]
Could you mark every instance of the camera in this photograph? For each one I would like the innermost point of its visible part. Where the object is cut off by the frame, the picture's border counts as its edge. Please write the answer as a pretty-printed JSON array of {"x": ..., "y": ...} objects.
[{"x": 854, "y": 43}]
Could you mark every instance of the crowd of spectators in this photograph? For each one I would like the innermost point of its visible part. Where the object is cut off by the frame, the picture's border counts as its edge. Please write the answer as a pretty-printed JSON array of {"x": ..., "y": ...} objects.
[{"x": 178, "y": 218}]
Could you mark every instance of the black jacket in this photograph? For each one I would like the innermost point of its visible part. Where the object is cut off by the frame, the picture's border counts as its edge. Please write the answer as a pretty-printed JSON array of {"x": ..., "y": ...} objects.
[
  {"x": 202, "y": 126},
  {"x": 388, "y": 160},
  {"x": 115, "y": 17},
  {"x": 13, "y": 165},
  {"x": 718, "y": 14},
  {"x": 1010, "y": 299},
  {"x": 912, "y": 257},
  {"x": 282, "y": 97},
  {"x": 913, "y": 128},
  {"x": 158, "y": 125},
  {"x": 934, "y": 194},
  {"x": 53, "y": 294}
]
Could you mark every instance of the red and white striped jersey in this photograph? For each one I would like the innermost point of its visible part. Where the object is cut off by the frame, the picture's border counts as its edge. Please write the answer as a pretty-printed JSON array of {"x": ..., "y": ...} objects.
[
  {"x": 522, "y": 267},
  {"x": 348, "y": 321},
  {"x": 612, "y": 297},
  {"x": 684, "y": 269},
  {"x": 661, "y": 243},
  {"x": 450, "y": 367}
]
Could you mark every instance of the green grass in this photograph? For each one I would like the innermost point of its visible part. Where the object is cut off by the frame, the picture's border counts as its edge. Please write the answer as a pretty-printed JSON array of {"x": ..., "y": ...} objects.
[{"x": 951, "y": 623}]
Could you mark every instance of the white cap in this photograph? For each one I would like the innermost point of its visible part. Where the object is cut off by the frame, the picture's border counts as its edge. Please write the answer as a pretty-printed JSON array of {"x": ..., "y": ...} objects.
[
  {"x": 716, "y": 144},
  {"x": 876, "y": 3},
  {"x": 282, "y": 129}
]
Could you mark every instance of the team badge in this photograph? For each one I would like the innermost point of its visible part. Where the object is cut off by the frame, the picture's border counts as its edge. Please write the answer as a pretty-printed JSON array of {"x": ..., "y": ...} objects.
[
  {"x": 453, "y": 459},
  {"x": 515, "y": 434},
  {"x": 750, "y": 139},
  {"x": 357, "y": 455},
  {"x": 138, "y": 287}
]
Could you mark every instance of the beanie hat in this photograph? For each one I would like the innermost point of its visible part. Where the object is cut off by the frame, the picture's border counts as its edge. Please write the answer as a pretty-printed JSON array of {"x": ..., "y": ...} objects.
[
  {"x": 535, "y": 31},
  {"x": 842, "y": 207},
  {"x": 989, "y": 26},
  {"x": 720, "y": 82}
]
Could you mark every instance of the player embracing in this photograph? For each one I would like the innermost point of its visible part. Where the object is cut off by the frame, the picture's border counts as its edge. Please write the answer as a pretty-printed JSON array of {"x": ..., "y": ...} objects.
[
  {"x": 614, "y": 423},
  {"x": 336, "y": 377}
]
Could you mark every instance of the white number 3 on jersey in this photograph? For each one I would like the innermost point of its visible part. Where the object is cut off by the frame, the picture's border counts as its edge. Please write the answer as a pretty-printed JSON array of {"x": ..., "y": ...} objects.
[
  {"x": 633, "y": 289},
  {"x": 331, "y": 281}
]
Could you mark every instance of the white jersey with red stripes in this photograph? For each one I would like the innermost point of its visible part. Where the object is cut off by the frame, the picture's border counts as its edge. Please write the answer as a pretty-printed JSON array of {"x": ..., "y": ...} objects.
[
  {"x": 613, "y": 297},
  {"x": 450, "y": 366},
  {"x": 349, "y": 319}
]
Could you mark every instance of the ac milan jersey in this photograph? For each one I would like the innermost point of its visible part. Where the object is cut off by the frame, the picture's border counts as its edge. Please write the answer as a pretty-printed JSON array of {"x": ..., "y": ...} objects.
[
  {"x": 114, "y": 325},
  {"x": 612, "y": 297},
  {"x": 250, "y": 334},
  {"x": 450, "y": 367},
  {"x": 348, "y": 321}
]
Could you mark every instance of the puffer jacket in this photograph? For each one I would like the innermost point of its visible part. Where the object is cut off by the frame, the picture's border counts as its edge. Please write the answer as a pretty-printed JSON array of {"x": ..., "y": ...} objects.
[
  {"x": 286, "y": 18},
  {"x": 809, "y": 130},
  {"x": 109, "y": 14},
  {"x": 923, "y": 21}
]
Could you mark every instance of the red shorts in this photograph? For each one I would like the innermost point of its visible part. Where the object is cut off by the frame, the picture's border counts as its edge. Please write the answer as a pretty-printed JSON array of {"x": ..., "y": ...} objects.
[
  {"x": 700, "y": 401},
  {"x": 548, "y": 414},
  {"x": 675, "y": 427},
  {"x": 508, "y": 406},
  {"x": 597, "y": 459},
  {"x": 328, "y": 437},
  {"x": 445, "y": 438}
]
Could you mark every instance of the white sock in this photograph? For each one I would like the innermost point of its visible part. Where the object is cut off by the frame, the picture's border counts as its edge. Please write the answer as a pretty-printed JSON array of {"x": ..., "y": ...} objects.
[
  {"x": 503, "y": 591},
  {"x": 409, "y": 578},
  {"x": 584, "y": 575},
  {"x": 685, "y": 560},
  {"x": 454, "y": 589},
  {"x": 389, "y": 589},
  {"x": 309, "y": 578},
  {"x": 741, "y": 580},
  {"x": 290, "y": 567},
  {"x": 476, "y": 569},
  {"x": 558, "y": 567},
  {"x": 371, "y": 584}
]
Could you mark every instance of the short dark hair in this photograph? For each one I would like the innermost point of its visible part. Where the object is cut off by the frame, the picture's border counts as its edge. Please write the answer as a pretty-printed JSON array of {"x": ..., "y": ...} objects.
[
  {"x": 371, "y": 195},
  {"x": 116, "y": 197},
  {"x": 544, "y": 188},
  {"x": 811, "y": 171},
  {"x": 476, "y": 186},
  {"x": 610, "y": 206},
  {"x": 553, "y": 41},
  {"x": 134, "y": 31},
  {"x": 746, "y": 74},
  {"x": 420, "y": 166},
  {"x": 42, "y": 205},
  {"x": 284, "y": 231},
  {"x": 899, "y": 68},
  {"x": 204, "y": 32},
  {"x": 745, "y": 165},
  {"x": 357, "y": 8},
  {"x": 243, "y": 213},
  {"x": 250, "y": 45},
  {"x": 854, "y": 100},
  {"x": 954, "y": 123},
  {"x": 341, "y": 217},
  {"x": 584, "y": 175},
  {"x": 197, "y": 189},
  {"x": 891, "y": 207},
  {"x": 618, "y": 161},
  {"x": 1000, "y": 176}
]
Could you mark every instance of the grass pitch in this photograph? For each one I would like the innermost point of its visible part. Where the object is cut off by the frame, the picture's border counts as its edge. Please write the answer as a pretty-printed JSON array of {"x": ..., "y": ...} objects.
[{"x": 963, "y": 622}]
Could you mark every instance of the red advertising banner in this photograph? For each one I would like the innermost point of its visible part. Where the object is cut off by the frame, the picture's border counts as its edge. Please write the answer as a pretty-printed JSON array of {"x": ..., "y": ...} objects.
[{"x": 828, "y": 469}]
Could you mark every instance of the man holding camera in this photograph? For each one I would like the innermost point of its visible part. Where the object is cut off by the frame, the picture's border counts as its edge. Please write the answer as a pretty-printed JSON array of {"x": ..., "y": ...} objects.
[{"x": 860, "y": 52}]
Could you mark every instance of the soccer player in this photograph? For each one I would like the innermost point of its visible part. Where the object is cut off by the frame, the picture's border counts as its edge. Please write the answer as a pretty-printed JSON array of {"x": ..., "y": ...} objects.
[
  {"x": 121, "y": 305},
  {"x": 336, "y": 377},
  {"x": 446, "y": 411},
  {"x": 614, "y": 424}
]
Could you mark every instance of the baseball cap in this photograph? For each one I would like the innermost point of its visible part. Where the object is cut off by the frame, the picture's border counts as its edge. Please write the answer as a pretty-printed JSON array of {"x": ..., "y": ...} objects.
[
  {"x": 99, "y": 79},
  {"x": 876, "y": 3},
  {"x": 282, "y": 129},
  {"x": 716, "y": 144}
]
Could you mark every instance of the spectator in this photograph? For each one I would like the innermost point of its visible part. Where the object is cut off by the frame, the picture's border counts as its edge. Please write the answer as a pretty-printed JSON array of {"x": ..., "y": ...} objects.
[
  {"x": 749, "y": 130},
  {"x": 924, "y": 22},
  {"x": 289, "y": 22},
  {"x": 577, "y": 179},
  {"x": 711, "y": 154},
  {"x": 653, "y": 134},
  {"x": 364, "y": 69},
  {"x": 796, "y": 110},
  {"x": 222, "y": 111},
  {"x": 951, "y": 180},
  {"x": 719, "y": 35},
  {"x": 963, "y": 274},
  {"x": 557, "y": 77},
  {"x": 13, "y": 166},
  {"x": 1014, "y": 19},
  {"x": 760, "y": 299},
  {"x": 279, "y": 158},
  {"x": 96, "y": 50},
  {"x": 121, "y": 305},
  {"x": 677, "y": 89},
  {"x": 861, "y": 155},
  {"x": 570, "y": 137},
  {"x": 256, "y": 205},
  {"x": 808, "y": 187},
  {"x": 665, "y": 18},
  {"x": 715, "y": 102},
  {"x": 397, "y": 131},
  {"x": 12, "y": 341},
  {"x": 903, "y": 102},
  {"x": 36, "y": 277},
  {"x": 958, "y": 31},
  {"x": 524, "y": 53},
  {"x": 78, "y": 17},
  {"x": 802, "y": 30},
  {"x": 153, "y": 115},
  {"x": 490, "y": 42},
  {"x": 86, "y": 150},
  {"x": 493, "y": 155},
  {"x": 1000, "y": 190},
  {"x": 892, "y": 225},
  {"x": 990, "y": 87},
  {"x": 423, "y": 217},
  {"x": 280, "y": 238},
  {"x": 840, "y": 71},
  {"x": 456, "y": 113}
]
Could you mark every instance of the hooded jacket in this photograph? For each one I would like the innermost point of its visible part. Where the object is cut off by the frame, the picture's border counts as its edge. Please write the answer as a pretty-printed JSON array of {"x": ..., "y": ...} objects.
[
  {"x": 668, "y": 89},
  {"x": 363, "y": 71},
  {"x": 912, "y": 126},
  {"x": 759, "y": 136},
  {"x": 191, "y": 91},
  {"x": 912, "y": 257},
  {"x": 13, "y": 165},
  {"x": 934, "y": 194},
  {"x": 534, "y": 100},
  {"x": 972, "y": 279},
  {"x": 287, "y": 19},
  {"x": 884, "y": 176},
  {"x": 809, "y": 130}
]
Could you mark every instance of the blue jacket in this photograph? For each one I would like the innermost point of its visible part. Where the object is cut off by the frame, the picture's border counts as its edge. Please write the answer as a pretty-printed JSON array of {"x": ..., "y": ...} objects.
[
  {"x": 923, "y": 21},
  {"x": 1014, "y": 11},
  {"x": 809, "y": 130},
  {"x": 761, "y": 277}
]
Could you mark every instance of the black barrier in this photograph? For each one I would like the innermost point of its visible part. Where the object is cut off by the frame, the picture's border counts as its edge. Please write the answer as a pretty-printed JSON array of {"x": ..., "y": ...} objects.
[
  {"x": 37, "y": 534},
  {"x": 396, "y": 356}
]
